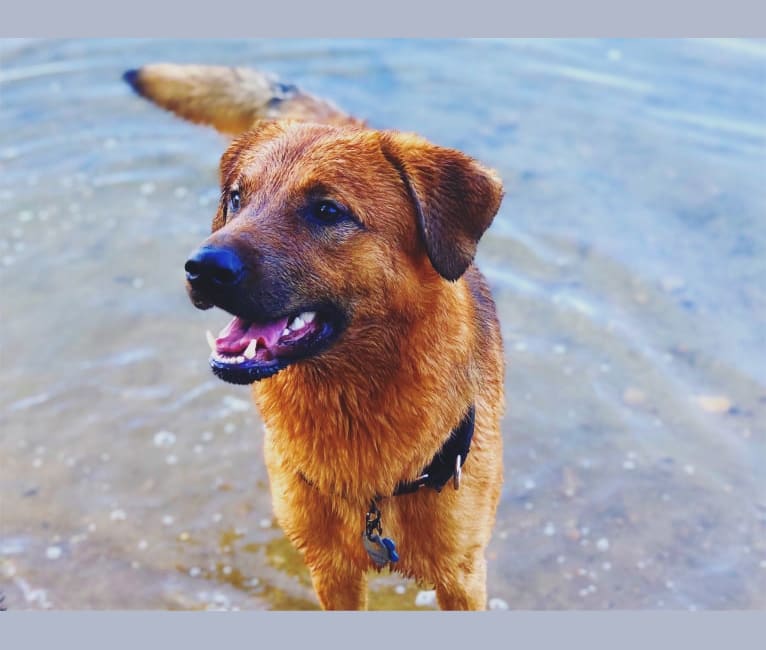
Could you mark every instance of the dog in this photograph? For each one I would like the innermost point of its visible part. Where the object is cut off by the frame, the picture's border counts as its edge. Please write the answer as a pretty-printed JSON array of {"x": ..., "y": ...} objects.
[{"x": 345, "y": 256}]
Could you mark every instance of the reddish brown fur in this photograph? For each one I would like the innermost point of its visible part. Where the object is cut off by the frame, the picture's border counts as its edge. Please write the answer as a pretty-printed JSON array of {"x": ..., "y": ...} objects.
[{"x": 374, "y": 408}]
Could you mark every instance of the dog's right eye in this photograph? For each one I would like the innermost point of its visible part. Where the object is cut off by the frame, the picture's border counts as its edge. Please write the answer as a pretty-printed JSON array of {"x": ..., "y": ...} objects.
[
  {"x": 326, "y": 212},
  {"x": 234, "y": 202}
]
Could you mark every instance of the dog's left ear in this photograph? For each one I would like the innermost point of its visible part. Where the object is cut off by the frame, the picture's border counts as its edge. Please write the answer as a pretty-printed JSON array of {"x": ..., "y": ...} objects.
[{"x": 455, "y": 198}]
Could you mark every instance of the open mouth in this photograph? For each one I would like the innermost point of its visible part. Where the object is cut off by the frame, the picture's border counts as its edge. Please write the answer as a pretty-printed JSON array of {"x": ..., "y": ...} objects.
[{"x": 247, "y": 351}]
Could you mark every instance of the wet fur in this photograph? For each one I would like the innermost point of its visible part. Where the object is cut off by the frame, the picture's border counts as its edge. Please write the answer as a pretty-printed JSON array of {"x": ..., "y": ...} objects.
[{"x": 422, "y": 340}]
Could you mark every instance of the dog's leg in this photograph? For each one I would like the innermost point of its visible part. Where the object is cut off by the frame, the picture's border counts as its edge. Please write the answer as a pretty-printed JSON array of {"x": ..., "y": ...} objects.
[
  {"x": 340, "y": 588},
  {"x": 465, "y": 588}
]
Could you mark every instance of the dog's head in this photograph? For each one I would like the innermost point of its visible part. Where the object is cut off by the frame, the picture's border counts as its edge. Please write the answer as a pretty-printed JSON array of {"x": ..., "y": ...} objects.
[{"x": 323, "y": 232}]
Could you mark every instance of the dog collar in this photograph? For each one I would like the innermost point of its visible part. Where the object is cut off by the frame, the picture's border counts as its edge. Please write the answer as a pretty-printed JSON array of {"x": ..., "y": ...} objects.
[
  {"x": 447, "y": 464},
  {"x": 448, "y": 461}
]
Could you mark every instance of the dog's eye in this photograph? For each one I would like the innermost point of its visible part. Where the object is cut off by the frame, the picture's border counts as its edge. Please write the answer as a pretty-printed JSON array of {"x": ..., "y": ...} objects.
[
  {"x": 233, "y": 202},
  {"x": 326, "y": 212}
]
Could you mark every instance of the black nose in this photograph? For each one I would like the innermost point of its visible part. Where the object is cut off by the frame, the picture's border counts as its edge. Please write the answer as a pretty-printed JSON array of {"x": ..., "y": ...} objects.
[{"x": 214, "y": 267}]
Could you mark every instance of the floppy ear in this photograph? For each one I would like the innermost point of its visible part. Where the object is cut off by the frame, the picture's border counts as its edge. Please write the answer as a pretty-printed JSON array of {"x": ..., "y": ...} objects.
[{"x": 455, "y": 198}]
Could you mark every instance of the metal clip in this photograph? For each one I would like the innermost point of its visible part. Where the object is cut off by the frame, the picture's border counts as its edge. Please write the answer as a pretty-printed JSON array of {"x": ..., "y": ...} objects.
[
  {"x": 458, "y": 472},
  {"x": 372, "y": 520}
]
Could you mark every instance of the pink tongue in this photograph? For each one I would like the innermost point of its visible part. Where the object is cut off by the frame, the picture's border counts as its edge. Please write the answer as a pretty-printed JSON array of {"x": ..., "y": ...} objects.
[{"x": 236, "y": 336}]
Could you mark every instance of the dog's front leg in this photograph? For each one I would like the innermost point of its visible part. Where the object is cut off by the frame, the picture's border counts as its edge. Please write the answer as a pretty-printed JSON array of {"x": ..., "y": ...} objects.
[
  {"x": 466, "y": 587},
  {"x": 339, "y": 586}
]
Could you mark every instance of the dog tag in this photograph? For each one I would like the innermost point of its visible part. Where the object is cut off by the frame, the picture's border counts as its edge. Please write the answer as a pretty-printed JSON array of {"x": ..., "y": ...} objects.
[{"x": 381, "y": 550}]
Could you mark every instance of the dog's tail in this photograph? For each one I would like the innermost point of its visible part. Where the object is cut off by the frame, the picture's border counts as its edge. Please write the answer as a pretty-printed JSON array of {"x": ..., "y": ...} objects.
[{"x": 231, "y": 100}]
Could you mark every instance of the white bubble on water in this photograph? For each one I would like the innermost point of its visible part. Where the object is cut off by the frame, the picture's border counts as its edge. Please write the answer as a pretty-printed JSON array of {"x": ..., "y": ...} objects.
[
  {"x": 118, "y": 515},
  {"x": 425, "y": 598},
  {"x": 53, "y": 552},
  {"x": 602, "y": 544},
  {"x": 549, "y": 530},
  {"x": 498, "y": 604},
  {"x": 164, "y": 439}
]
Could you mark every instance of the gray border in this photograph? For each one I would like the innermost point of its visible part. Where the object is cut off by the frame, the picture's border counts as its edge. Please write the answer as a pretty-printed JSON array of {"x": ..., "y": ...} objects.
[
  {"x": 615, "y": 630},
  {"x": 342, "y": 18},
  {"x": 624, "y": 630}
]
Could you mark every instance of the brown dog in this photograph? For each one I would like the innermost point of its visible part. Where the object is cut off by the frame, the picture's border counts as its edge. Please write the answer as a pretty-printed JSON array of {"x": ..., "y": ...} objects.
[{"x": 345, "y": 256}]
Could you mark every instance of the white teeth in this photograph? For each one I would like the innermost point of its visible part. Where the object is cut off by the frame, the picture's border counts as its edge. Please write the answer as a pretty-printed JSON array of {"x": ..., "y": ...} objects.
[
  {"x": 210, "y": 340},
  {"x": 285, "y": 331},
  {"x": 297, "y": 324},
  {"x": 308, "y": 316},
  {"x": 250, "y": 351},
  {"x": 228, "y": 360}
]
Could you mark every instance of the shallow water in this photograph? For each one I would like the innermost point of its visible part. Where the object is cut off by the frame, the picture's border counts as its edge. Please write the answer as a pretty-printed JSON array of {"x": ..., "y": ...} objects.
[{"x": 628, "y": 262}]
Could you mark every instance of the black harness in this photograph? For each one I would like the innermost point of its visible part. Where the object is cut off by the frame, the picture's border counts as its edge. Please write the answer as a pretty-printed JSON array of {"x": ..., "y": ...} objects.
[{"x": 445, "y": 464}]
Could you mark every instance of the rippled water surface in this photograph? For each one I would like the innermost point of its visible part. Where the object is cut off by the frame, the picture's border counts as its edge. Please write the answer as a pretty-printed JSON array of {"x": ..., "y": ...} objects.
[{"x": 629, "y": 266}]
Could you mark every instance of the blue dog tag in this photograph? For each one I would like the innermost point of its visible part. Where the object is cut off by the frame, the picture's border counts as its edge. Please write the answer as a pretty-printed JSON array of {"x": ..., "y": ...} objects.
[{"x": 381, "y": 550}]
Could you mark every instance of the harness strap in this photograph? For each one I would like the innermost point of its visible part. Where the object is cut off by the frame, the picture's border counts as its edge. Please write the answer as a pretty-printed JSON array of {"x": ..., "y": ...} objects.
[{"x": 442, "y": 468}]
